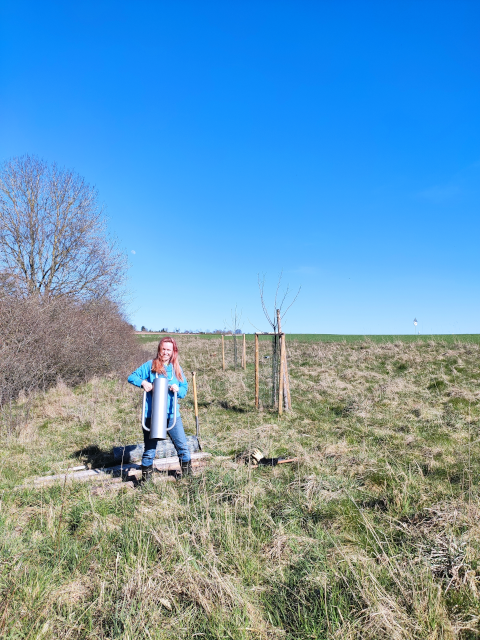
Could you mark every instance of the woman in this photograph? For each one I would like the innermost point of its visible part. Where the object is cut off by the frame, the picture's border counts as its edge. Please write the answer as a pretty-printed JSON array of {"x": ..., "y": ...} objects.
[{"x": 165, "y": 364}]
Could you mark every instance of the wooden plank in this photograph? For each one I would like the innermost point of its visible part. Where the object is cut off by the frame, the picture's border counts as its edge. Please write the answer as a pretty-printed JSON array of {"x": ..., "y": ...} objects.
[
  {"x": 103, "y": 475},
  {"x": 66, "y": 468},
  {"x": 163, "y": 474},
  {"x": 161, "y": 464}
]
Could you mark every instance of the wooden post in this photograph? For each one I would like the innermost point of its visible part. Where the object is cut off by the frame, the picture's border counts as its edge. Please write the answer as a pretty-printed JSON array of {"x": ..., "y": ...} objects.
[
  {"x": 282, "y": 373},
  {"x": 195, "y": 400},
  {"x": 286, "y": 391},
  {"x": 283, "y": 363},
  {"x": 257, "y": 372},
  {"x": 244, "y": 353},
  {"x": 223, "y": 353}
]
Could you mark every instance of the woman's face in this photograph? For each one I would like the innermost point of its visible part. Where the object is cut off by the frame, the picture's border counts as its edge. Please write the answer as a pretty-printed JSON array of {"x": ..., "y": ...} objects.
[{"x": 166, "y": 351}]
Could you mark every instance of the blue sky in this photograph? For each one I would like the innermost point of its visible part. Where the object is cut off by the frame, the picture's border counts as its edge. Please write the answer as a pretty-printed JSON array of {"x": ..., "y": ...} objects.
[{"x": 336, "y": 142}]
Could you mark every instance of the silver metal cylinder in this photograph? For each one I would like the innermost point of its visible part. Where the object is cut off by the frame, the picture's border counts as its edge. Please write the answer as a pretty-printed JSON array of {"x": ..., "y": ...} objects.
[
  {"x": 158, "y": 422},
  {"x": 159, "y": 418}
]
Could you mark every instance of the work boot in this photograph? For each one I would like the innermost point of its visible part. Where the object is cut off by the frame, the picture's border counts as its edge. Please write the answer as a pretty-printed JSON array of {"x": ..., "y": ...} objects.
[
  {"x": 186, "y": 468},
  {"x": 147, "y": 473}
]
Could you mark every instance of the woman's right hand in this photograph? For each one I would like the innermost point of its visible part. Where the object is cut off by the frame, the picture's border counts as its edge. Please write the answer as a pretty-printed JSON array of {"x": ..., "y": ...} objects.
[{"x": 147, "y": 386}]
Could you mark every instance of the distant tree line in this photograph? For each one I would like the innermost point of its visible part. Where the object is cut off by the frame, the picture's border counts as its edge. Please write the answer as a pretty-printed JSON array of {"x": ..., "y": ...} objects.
[{"x": 225, "y": 332}]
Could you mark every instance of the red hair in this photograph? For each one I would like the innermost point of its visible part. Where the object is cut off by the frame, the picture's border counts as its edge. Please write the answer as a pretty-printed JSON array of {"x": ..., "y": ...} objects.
[{"x": 159, "y": 367}]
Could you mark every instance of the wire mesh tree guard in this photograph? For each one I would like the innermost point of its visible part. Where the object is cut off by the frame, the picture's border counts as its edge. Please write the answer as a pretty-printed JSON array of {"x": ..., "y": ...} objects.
[
  {"x": 279, "y": 384},
  {"x": 272, "y": 385},
  {"x": 234, "y": 352}
]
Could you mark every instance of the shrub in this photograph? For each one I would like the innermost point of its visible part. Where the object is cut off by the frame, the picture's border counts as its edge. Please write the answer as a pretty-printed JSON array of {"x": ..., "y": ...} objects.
[{"x": 45, "y": 339}]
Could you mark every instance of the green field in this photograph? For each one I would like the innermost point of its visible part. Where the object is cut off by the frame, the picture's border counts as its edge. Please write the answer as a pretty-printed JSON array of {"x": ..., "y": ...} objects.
[{"x": 327, "y": 337}]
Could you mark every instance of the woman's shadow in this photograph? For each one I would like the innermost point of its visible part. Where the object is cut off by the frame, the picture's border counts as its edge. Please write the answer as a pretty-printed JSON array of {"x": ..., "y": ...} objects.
[{"x": 95, "y": 457}]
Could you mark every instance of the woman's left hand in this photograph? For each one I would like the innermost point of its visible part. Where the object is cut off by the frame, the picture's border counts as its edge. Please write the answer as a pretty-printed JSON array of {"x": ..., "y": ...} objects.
[{"x": 174, "y": 388}]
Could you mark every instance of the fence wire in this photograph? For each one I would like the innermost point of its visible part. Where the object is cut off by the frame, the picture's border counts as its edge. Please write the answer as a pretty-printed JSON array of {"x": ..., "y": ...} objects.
[
  {"x": 233, "y": 352},
  {"x": 269, "y": 371},
  {"x": 269, "y": 364}
]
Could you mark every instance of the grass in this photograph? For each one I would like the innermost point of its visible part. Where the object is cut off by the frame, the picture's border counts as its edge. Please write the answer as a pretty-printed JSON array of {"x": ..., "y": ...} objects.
[
  {"x": 374, "y": 533},
  {"x": 327, "y": 337}
]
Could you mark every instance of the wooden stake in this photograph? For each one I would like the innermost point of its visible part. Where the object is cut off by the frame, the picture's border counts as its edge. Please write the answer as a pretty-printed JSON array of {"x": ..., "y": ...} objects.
[
  {"x": 257, "y": 372},
  {"x": 223, "y": 352},
  {"x": 194, "y": 377},
  {"x": 286, "y": 391},
  {"x": 195, "y": 402},
  {"x": 282, "y": 373},
  {"x": 244, "y": 352},
  {"x": 283, "y": 358}
]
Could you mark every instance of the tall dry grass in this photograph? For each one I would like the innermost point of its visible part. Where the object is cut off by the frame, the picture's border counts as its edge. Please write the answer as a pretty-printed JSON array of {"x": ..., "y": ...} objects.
[{"x": 373, "y": 533}]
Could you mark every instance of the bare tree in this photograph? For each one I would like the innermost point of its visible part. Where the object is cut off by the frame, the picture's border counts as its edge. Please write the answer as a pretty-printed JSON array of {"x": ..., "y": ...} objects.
[
  {"x": 236, "y": 319},
  {"x": 275, "y": 321},
  {"x": 278, "y": 303},
  {"x": 53, "y": 236}
]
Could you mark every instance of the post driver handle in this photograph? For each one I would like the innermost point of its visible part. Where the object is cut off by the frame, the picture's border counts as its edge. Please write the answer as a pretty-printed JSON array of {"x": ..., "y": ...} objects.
[
  {"x": 174, "y": 411},
  {"x": 143, "y": 411},
  {"x": 195, "y": 401}
]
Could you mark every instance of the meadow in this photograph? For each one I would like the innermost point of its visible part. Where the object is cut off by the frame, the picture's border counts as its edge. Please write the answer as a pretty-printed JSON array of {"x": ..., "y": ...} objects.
[
  {"x": 373, "y": 533},
  {"x": 332, "y": 337}
]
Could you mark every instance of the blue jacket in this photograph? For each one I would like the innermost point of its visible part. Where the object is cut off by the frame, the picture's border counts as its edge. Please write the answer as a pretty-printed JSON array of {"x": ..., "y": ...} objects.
[{"x": 144, "y": 372}]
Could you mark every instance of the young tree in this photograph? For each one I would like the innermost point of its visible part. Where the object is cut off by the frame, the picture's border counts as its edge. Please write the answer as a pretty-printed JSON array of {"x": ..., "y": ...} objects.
[
  {"x": 235, "y": 330},
  {"x": 53, "y": 237},
  {"x": 275, "y": 322}
]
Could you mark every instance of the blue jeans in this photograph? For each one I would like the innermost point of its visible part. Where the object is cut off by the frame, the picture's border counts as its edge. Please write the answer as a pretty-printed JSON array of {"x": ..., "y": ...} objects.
[{"x": 177, "y": 436}]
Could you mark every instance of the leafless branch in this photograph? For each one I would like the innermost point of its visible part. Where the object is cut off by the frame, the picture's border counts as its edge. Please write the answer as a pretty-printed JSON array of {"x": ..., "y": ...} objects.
[
  {"x": 273, "y": 320},
  {"x": 261, "y": 286},
  {"x": 296, "y": 296},
  {"x": 53, "y": 235}
]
